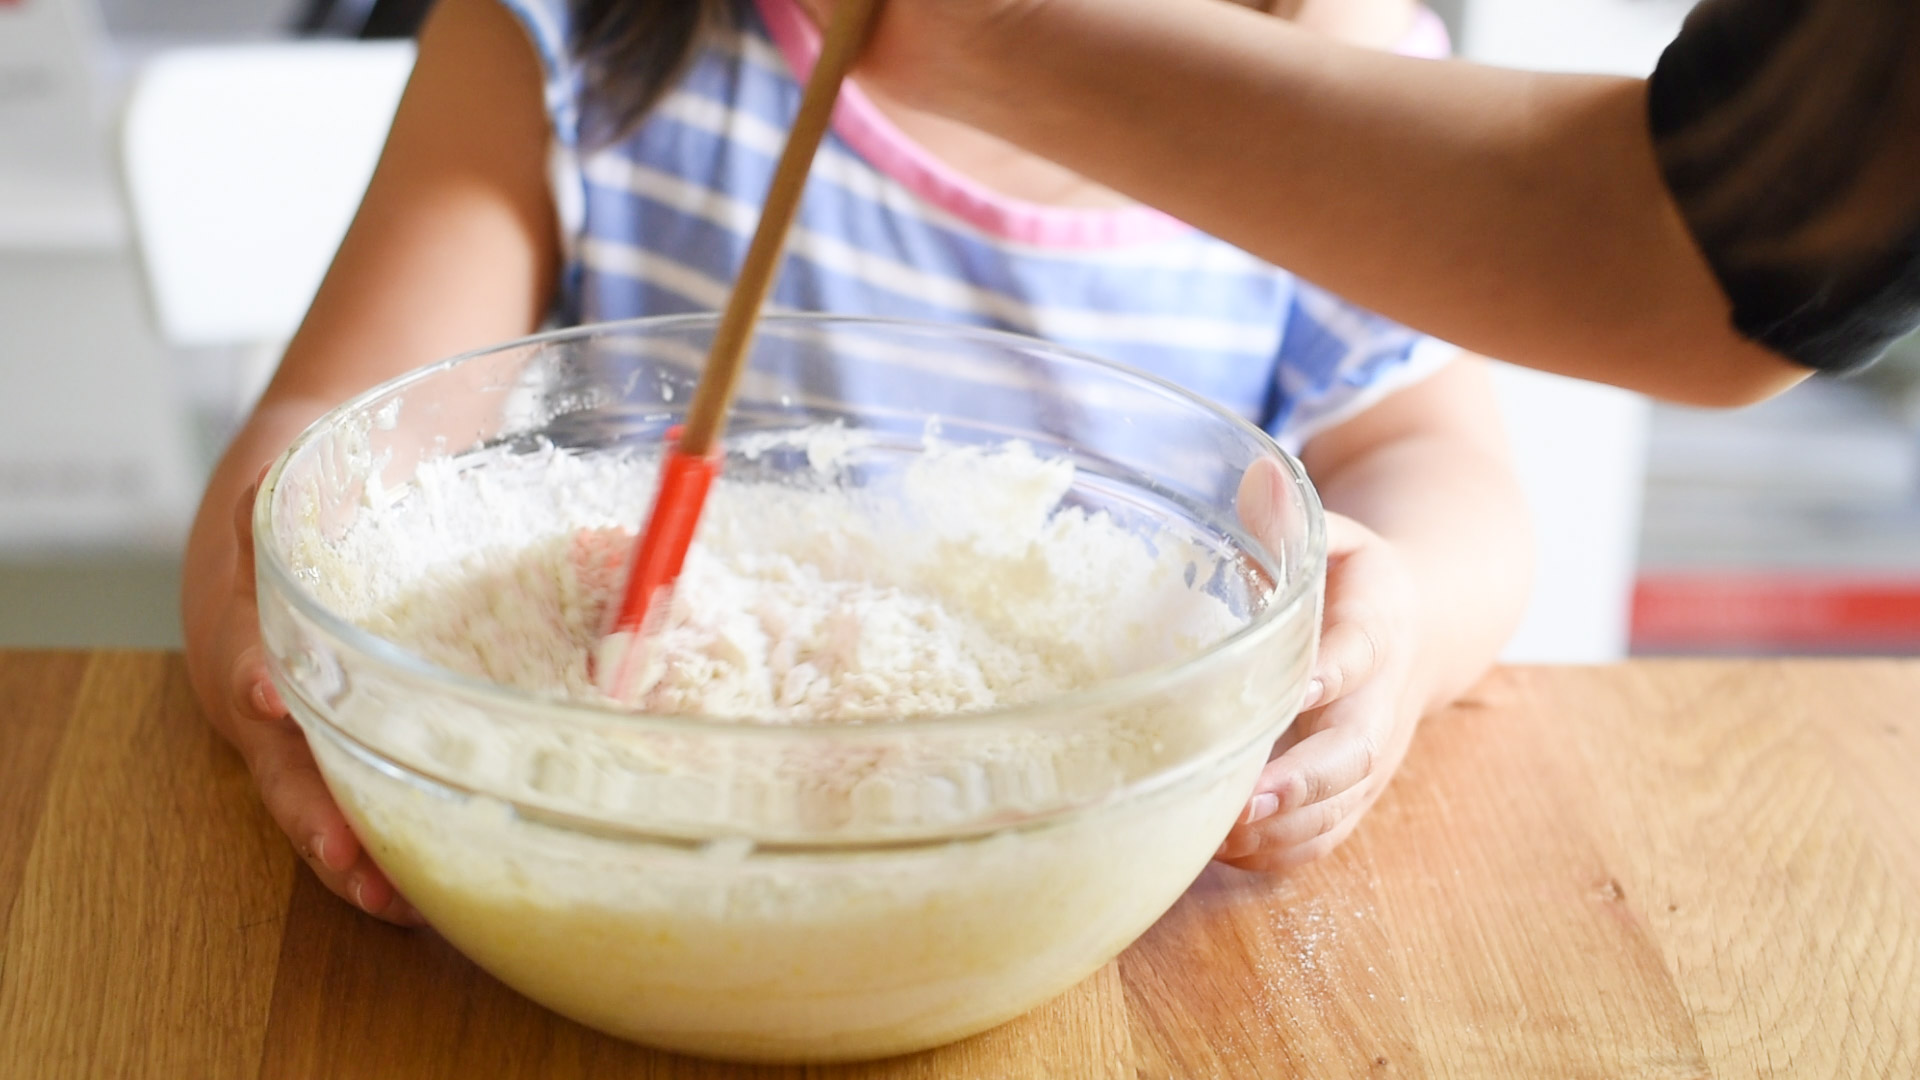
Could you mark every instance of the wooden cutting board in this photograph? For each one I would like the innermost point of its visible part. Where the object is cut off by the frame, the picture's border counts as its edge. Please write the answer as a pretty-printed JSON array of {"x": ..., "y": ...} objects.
[{"x": 1659, "y": 869}]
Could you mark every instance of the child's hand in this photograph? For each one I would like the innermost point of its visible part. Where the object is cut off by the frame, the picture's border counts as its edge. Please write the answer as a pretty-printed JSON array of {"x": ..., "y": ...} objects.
[
  {"x": 1360, "y": 712},
  {"x": 229, "y": 671}
]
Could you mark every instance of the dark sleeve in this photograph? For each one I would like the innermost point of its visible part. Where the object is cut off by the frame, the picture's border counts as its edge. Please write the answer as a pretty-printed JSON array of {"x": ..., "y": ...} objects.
[{"x": 1789, "y": 134}]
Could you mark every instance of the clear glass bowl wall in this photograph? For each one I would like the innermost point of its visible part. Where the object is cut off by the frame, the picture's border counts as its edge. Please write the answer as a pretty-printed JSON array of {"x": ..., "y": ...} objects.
[{"x": 794, "y": 893}]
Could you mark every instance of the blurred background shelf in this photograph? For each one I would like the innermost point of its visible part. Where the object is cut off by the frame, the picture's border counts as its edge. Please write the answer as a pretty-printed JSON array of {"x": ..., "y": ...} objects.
[{"x": 1793, "y": 526}]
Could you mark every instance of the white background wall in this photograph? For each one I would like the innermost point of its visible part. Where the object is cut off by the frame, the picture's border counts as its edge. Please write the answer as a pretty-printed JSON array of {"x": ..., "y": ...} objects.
[{"x": 1617, "y": 36}]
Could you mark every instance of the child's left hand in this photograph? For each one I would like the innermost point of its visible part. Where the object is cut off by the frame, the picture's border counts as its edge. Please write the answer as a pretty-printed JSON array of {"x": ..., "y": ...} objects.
[{"x": 1358, "y": 717}]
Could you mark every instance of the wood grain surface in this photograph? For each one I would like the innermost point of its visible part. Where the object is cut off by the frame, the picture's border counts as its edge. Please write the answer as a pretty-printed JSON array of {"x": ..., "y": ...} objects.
[{"x": 1659, "y": 869}]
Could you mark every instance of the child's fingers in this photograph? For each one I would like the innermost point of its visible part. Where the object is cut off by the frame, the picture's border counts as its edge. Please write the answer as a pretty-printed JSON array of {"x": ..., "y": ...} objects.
[
  {"x": 1284, "y": 832},
  {"x": 1274, "y": 860},
  {"x": 1262, "y": 502},
  {"x": 283, "y": 768},
  {"x": 1275, "y": 832},
  {"x": 1350, "y": 652},
  {"x": 1355, "y": 630},
  {"x": 368, "y": 889},
  {"x": 1319, "y": 767},
  {"x": 297, "y": 798},
  {"x": 251, "y": 692},
  {"x": 1351, "y": 642}
]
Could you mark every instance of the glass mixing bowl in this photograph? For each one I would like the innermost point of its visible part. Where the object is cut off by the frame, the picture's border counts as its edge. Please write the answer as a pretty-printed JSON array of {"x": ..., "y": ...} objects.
[{"x": 790, "y": 893}]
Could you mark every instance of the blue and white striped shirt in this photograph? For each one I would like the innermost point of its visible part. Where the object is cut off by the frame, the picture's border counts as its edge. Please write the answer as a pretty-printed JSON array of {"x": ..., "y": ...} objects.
[{"x": 658, "y": 222}]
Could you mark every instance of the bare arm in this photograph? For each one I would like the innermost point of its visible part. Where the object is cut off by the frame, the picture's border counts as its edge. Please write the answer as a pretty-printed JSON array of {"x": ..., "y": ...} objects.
[
  {"x": 1430, "y": 472},
  {"x": 1429, "y": 556},
  {"x": 1520, "y": 215},
  {"x": 453, "y": 247}
]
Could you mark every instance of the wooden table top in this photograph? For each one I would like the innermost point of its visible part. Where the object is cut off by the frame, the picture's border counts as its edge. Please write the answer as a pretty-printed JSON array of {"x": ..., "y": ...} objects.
[{"x": 1658, "y": 869}]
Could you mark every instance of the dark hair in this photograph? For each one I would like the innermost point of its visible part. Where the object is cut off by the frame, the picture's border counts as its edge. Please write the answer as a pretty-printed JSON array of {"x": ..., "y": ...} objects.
[{"x": 631, "y": 51}]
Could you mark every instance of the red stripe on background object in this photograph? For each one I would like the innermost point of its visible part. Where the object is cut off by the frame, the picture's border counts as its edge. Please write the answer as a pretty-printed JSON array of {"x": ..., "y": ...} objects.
[{"x": 1775, "y": 610}]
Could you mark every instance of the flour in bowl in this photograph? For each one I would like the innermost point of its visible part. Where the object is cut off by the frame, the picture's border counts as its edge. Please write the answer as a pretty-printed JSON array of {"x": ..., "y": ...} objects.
[{"x": 956, "y": 584}]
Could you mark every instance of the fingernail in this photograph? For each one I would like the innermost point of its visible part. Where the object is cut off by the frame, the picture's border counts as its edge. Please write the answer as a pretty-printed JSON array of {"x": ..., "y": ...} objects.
[
  {"x": 357, "y": 888},
  {"x": 1256, "y": 501},
  {"x": 1278, "y": 491},
  {"x": 317, "y": 848},
  {"x": 1262, "y": 806},
  {"x": 1315, "y": 689},
  {"x": 262, "y": 698}
]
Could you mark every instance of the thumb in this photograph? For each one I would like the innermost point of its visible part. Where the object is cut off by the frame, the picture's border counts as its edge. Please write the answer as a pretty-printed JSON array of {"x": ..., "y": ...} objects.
[
  {"x": 1266, "y": 503},
  {"x": 243, "y": 567},
  {"x": 1352, "y": 635},
  {"x": 250, "y": 691}
]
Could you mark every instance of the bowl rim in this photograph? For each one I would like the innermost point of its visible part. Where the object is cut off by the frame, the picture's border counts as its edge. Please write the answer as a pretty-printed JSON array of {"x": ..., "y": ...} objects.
[{"x": 1132, "y": 685}]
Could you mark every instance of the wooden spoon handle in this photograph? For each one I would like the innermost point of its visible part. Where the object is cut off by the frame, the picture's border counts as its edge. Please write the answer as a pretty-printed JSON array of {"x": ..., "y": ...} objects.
[{"x": 707, "y": 414}]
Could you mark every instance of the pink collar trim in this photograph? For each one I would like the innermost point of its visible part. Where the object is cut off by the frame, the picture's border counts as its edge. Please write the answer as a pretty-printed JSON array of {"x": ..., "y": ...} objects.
[{"x": 867, "y": 130}]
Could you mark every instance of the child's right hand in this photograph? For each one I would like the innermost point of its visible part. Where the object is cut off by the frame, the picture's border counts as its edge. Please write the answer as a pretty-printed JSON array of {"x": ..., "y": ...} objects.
[{"x": 228, "y": 666}]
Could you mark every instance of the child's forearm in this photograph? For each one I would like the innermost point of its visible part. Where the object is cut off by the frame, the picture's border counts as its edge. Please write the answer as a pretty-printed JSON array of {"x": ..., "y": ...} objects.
[
  {"x": 1525, "y": 212},
  {"x": 1454, "y": 512}
]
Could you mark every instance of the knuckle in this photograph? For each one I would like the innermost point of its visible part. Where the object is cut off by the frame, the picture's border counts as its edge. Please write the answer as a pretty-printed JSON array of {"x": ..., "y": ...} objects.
[
  {"x": 280, "y": 784},
  {"x": 1260, "y": 864},
  {"x": 1319, "y": 787},
  {"x": 1327, "y": 818},
  {"x": 1337, "y": 679},
  {"x": 271, "y": 778},
  {"x": 1333, "y": 683},
  {"x": 1306, "y": 824},
  {"x": 1357, "y": 643},
  {"x": 1372, "y": 646},
  {"x": 1366, "y": 754}
]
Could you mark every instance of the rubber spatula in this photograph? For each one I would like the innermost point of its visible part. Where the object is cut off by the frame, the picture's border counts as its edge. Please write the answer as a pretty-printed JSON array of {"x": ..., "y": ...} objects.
[{"x": 692, "y": 460}]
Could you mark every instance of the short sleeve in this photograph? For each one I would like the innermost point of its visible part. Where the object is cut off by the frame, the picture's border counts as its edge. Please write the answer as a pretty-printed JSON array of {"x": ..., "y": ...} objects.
[
  {"x": 549, "y": 27},
  {"x": 1788, "y": 132},
  {"x": 1336, "y": 360}
]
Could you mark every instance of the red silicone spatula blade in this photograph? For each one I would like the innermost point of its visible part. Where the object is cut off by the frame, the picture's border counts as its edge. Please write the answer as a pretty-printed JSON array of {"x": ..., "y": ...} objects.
[{"x": 684, "y": 481}]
